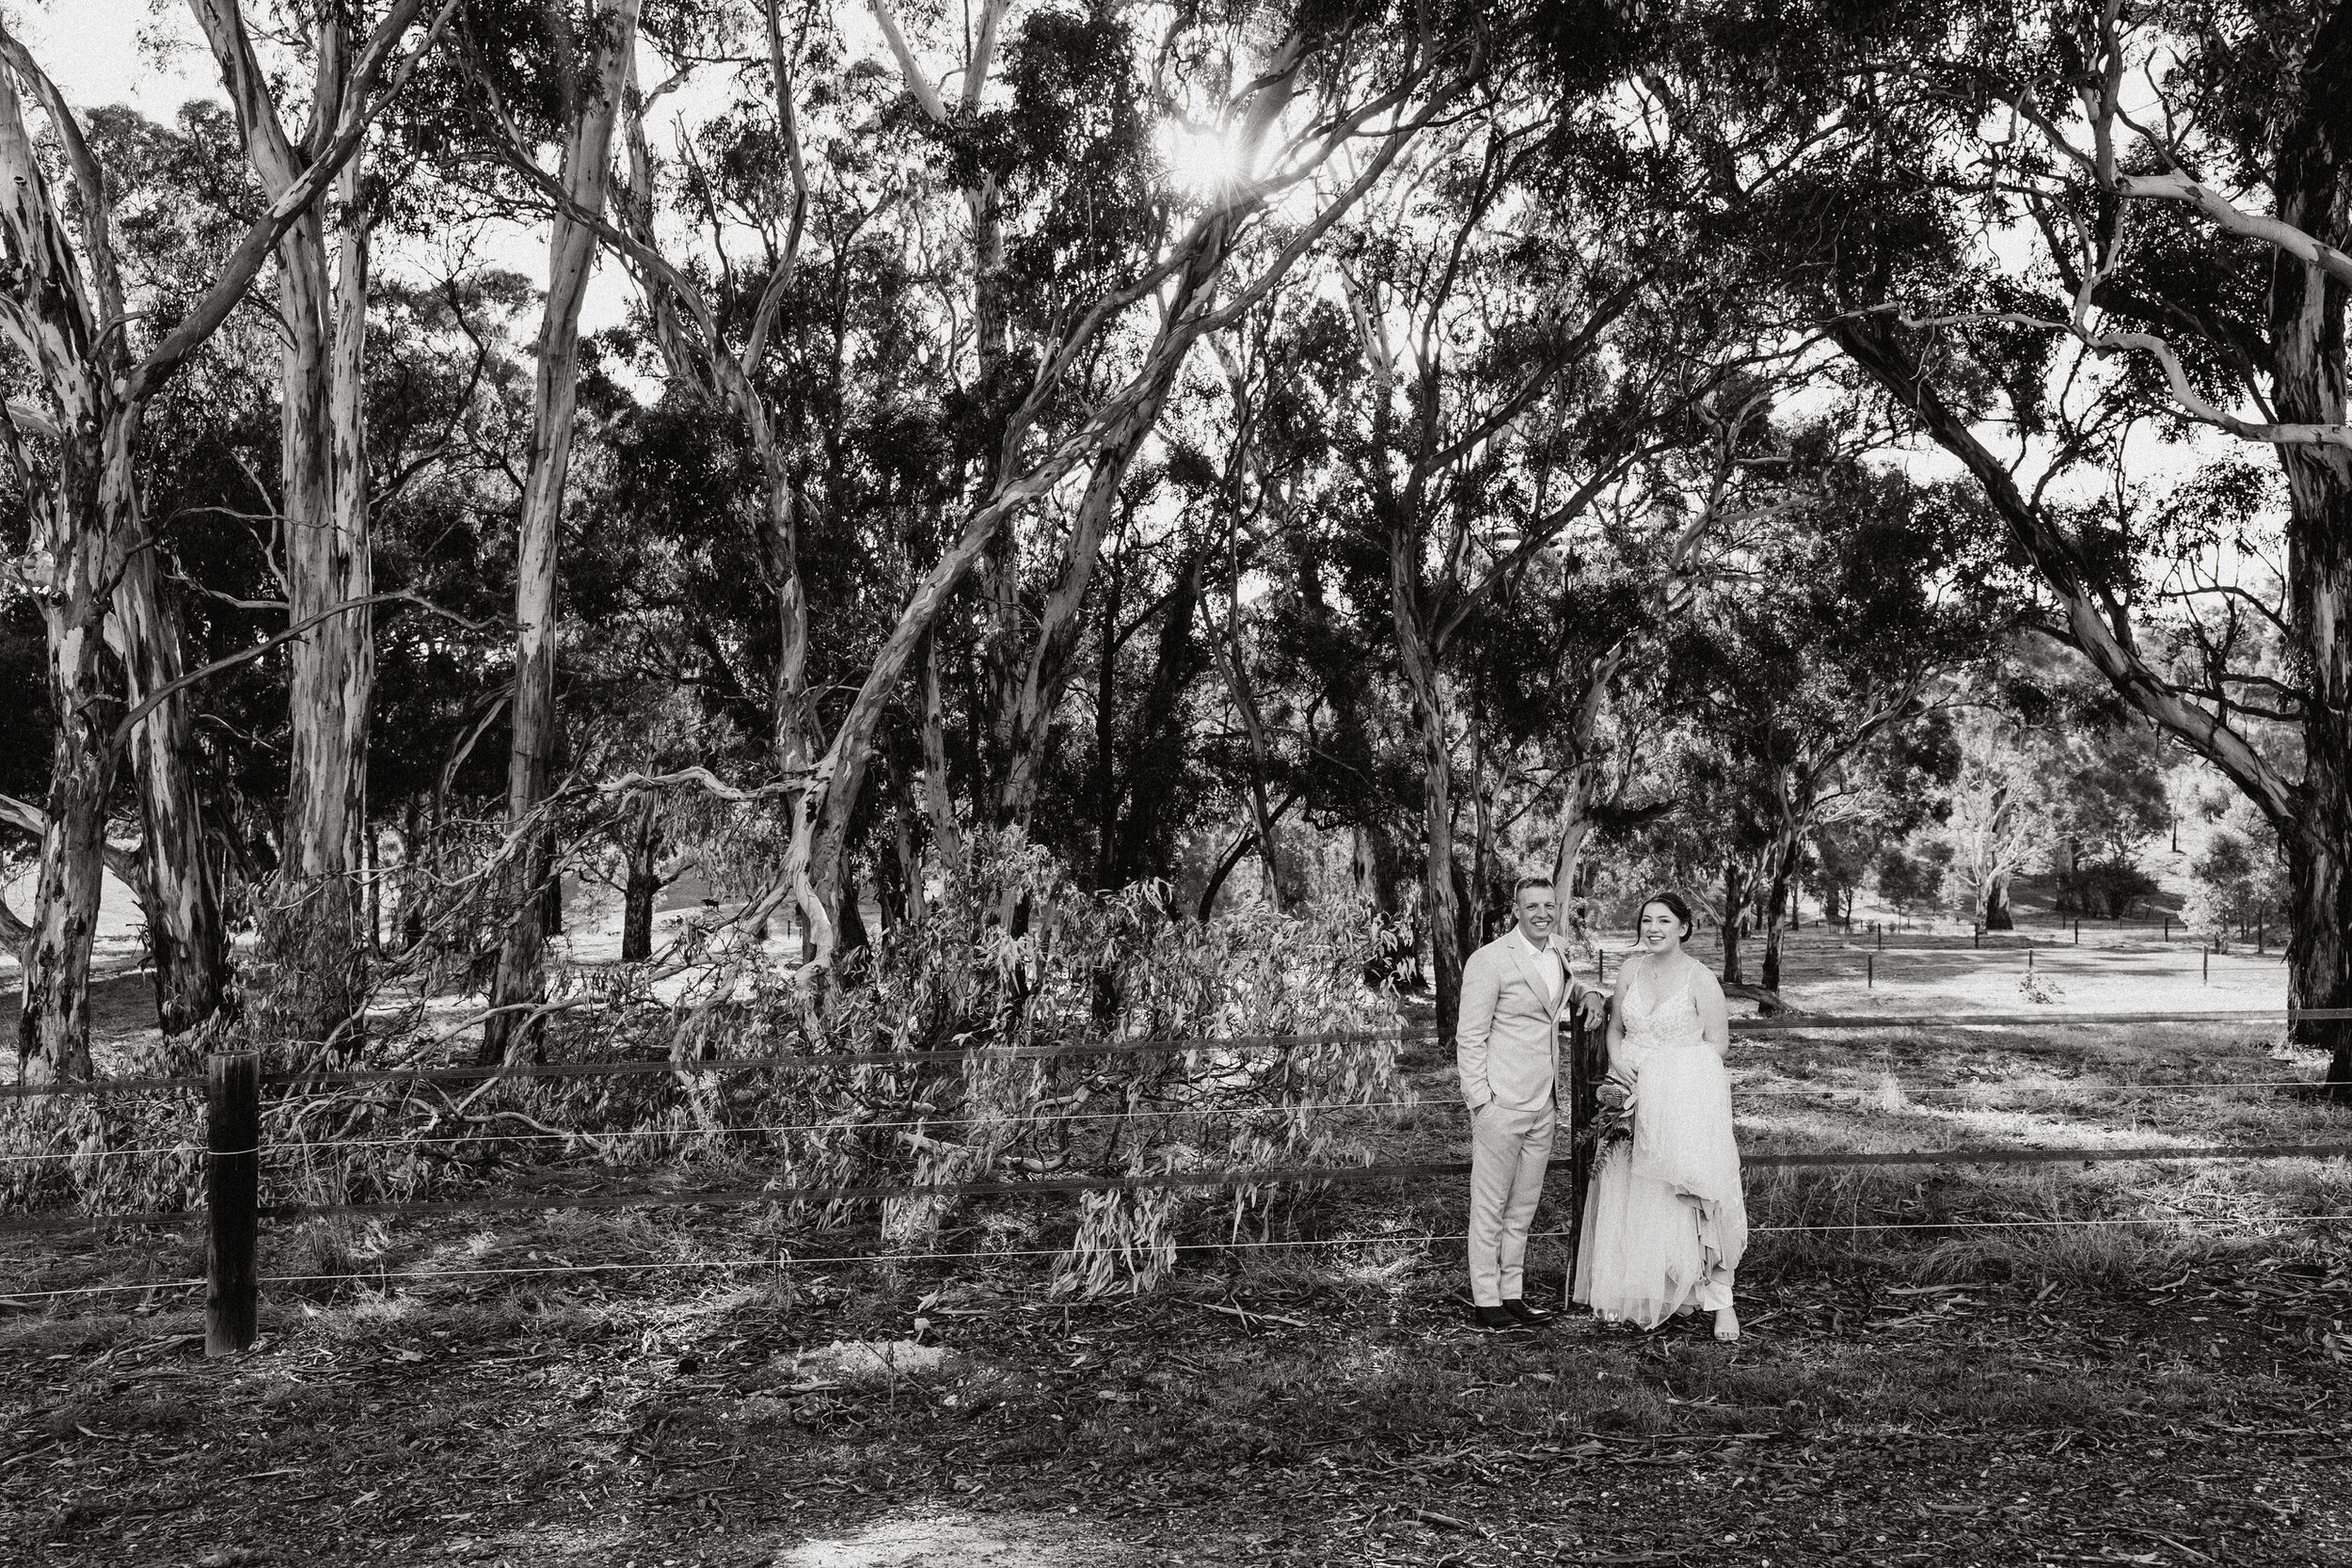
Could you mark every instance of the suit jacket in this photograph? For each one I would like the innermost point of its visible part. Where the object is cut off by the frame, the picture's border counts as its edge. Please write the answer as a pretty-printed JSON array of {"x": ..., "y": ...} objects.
[{"x": 1506, "y": 1042}]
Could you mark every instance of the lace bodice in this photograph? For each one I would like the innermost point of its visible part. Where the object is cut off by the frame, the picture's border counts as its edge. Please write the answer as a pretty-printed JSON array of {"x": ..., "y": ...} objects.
[{"x": 1669, "y": 1019}]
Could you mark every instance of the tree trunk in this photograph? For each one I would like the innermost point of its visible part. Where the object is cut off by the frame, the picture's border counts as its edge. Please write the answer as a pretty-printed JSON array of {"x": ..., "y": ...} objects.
[
  {"x": 1484, "y": 915},
  {"x": 1156, "y": 758},
  {"x": 1233, "y": 659},
  {"x": 643, "y": 851},
  {"x": 937, "y": 792},
  {"x": 53, "y": 1029},
  {"x": 2306, "y": 312},
  {"x": 185, "y": 933},
  {"x": 1576, "y": 826},
  {"x": 939, "y": 801},
  {"x": 1442, "y": 907},
  {"x": 572, "y": 253},
  {"x": 1026, "y": 727},
  {"x": 1776, "y": 904},
  {"x": 795, "y": 741},
  {"x": 1735, "y": 905},
  {"x": 316, "y": 927},
  {"x": 314, "y": 932},
  {"x": 1105, "y": 781},
  {"x": 852, "y": 926},
  {"x": 1998, "y": 915},
  {"x": 2319, "y": 953},
  {"x": 1371, "y": 865}
]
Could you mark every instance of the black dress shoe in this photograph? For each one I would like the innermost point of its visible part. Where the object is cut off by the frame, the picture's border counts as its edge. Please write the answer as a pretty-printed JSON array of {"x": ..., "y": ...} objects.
[
  {"x": 1493, "y": 1318},
  {"x": 1533, "y": 1317}
]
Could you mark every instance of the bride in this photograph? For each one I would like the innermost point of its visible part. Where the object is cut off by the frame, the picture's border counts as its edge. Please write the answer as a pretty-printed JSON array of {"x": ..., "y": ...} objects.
[{"x": 1665, "y": 1225}]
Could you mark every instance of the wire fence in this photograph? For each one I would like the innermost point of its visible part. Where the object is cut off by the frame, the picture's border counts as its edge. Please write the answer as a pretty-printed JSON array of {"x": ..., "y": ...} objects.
[
  {"x": 245, "y": 1154},
  {"x": 383, "y": 1278},
  {"x": 784, "y": 1195},
  {"x": 1905, "y": 1089},
  {"x": 1789, "y": 1022}
]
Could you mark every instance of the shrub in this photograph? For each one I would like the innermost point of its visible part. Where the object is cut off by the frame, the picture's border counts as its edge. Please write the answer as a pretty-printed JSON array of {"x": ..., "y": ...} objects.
[
  {"x": 2106, "y": 888},
  {"x": 1023, "y": 958}
]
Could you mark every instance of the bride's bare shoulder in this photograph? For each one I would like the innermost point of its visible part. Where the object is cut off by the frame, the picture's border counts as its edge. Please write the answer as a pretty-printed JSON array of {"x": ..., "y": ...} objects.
[{"x": 1703, "y": 981}]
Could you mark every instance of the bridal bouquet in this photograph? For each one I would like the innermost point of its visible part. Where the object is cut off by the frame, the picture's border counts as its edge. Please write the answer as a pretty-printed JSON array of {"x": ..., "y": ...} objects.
[{"x": 1614, "y": 1125}]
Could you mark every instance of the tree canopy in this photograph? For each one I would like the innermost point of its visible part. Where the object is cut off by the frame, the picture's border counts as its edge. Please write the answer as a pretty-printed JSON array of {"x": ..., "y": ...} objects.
[{"x": 809, "y": 461}]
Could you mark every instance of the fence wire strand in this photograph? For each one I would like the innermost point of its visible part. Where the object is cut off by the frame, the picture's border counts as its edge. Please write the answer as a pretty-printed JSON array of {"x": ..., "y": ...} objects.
[
  {"x": 1784, "y": 1023},
  {"x": 851, "y": 1261},
  {"x": 1907, "y": 1090}
]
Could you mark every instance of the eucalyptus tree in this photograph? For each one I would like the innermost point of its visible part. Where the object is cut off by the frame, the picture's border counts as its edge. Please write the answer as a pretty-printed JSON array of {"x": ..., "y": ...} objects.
[
  {"x": 2003, "y": 811},
  {"x": 1539, "y": 341},
  {"x": 312, "y": 927},
  {"x": 1324, "y": 82},
  {"x": 1812, "y": 671},
  {"x": 2081, "y": 246},
  {"x": 551, "y": 84},
  {"x": 73, "y": 446}
]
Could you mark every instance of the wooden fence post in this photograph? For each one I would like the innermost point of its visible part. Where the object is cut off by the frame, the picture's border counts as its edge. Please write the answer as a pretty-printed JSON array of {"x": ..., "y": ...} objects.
[
  {"x": 232, "y": 1200},
  {"x": 1585, "y": 1068}
]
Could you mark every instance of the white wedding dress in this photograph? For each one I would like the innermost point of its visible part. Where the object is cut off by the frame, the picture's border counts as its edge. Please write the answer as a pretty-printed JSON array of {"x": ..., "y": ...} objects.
[{"x": 1665, "y": 1222}]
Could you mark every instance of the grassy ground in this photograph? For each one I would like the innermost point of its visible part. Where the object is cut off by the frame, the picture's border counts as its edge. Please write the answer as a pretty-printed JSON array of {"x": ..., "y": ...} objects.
[{"x": 2123, "y": 1390}]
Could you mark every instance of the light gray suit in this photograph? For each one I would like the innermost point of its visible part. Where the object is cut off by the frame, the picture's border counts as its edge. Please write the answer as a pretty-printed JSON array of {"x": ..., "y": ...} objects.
[{"x": 1507, "y": 1049}]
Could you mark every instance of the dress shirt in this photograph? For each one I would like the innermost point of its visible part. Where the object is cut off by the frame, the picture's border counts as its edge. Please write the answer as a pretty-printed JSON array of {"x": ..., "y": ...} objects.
[{"x": 1548, "y": 963}]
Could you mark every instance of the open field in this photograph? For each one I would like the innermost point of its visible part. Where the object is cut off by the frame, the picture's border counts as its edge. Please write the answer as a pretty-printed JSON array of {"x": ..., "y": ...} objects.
[
  {"x": 2126, "y": 969},
  {"x": 2120, "y": 1391}
]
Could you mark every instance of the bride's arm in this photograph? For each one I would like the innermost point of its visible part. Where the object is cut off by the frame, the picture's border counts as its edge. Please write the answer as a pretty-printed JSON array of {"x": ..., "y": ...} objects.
[
  {"x": 1714, "y": 1014},
  {"x": 1615, "y": 1031}
]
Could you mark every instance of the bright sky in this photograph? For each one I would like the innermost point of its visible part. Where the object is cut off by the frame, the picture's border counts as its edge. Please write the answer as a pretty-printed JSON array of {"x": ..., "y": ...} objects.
[
  {"x": 91, "y": 48},
  {"x": 151, "y": 54}
]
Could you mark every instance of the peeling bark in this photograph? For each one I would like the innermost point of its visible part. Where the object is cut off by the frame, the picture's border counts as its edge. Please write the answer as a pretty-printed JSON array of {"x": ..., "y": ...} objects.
[
  {"x": 179, "y": 887},
  {"x": 520, "y": 979},
  {"x": 1027, "y": 725}
]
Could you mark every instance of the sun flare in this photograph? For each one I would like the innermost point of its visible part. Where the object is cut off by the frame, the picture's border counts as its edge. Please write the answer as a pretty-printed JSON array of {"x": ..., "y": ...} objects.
[{"x": 1200, "y": 160}]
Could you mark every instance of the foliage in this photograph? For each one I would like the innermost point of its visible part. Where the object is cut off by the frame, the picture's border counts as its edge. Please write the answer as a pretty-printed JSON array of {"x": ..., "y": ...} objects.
[
  {"x": 1070, "y": 970},
  {"x": 1911, "y": 876},
  {"x": 2239, "y": 881}
]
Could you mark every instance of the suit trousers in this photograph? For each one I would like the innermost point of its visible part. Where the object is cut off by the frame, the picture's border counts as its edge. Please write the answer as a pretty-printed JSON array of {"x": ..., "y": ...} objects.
[{"x": 1509, "y": 1150}]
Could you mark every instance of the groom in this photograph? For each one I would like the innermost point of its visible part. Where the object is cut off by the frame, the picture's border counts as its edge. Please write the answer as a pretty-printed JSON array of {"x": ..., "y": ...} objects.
[{"x": 1514, "y": 991}]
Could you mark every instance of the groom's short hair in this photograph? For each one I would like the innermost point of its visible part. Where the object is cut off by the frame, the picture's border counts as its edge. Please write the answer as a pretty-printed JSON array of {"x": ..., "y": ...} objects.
[{"x": 1525, "y": 882}]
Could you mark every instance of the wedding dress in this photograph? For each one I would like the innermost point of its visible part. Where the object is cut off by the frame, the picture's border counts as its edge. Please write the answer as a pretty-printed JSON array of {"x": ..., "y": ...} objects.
[{"x": 1665, "y": 1222}]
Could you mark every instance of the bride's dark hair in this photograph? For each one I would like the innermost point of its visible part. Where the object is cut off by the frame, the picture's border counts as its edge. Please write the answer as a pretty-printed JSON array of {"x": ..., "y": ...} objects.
[{"x": 1675, "y": 905}]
